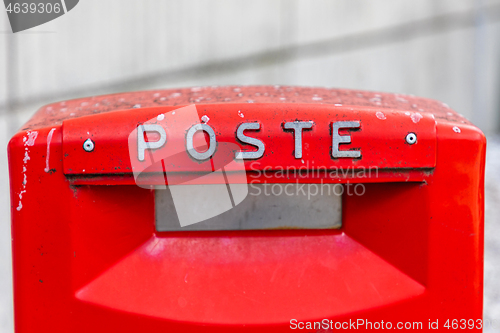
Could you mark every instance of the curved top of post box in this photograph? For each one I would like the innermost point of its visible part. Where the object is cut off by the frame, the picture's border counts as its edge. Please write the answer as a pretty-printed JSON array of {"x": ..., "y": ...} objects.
[{"x": 56, "y": 113}]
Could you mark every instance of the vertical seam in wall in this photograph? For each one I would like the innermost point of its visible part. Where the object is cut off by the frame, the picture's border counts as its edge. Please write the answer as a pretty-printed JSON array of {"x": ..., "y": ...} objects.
[
  {"x": 479, "y": 113},
  {"x": 288, "y": 29},
  {"x": 11, "y": 82}
]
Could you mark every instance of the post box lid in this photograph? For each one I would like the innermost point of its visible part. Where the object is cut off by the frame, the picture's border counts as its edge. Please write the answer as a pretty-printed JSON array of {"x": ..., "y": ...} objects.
[
  {"x": 109, "y": 119},
  {"x": 55, "y": 113}
]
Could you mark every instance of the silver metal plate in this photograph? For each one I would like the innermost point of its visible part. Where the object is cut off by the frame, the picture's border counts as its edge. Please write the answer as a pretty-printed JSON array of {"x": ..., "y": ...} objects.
[{"x": 248, "y": 207}]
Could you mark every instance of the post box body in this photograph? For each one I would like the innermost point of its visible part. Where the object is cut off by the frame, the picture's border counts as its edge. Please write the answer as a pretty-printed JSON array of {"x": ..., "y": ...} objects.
[{"x": 88, "y": 257}]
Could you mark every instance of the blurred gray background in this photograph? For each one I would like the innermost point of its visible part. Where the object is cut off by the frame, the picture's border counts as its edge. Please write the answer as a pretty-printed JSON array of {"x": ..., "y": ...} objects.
[{"x": 443, "y": 49}]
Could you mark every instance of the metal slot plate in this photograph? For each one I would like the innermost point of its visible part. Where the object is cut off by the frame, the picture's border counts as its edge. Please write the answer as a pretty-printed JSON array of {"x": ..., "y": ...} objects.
[{"x": 248, "y": 207}]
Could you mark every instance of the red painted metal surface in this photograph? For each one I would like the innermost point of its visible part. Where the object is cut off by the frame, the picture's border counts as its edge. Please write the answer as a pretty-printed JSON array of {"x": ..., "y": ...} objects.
[
  {"x": 87, "y": 256},
  {"x": 381, "y": 141}
]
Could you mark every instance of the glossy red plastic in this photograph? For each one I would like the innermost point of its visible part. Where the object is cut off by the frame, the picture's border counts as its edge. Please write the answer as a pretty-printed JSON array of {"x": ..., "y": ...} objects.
[{"x": 86, "y": 254}]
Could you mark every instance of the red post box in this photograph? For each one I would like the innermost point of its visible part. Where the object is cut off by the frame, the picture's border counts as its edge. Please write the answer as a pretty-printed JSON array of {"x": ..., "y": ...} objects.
[{"x": 259, "y": 209}]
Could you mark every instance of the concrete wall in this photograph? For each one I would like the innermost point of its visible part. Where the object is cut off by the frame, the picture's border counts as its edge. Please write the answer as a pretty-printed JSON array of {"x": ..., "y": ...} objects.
[
  {"x": 438, "y": 49},
  {"x": 447, "y": 49}
]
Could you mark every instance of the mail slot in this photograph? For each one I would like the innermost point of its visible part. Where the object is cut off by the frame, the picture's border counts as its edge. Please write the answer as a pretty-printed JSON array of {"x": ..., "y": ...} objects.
[{"x": 261, "y": 209}]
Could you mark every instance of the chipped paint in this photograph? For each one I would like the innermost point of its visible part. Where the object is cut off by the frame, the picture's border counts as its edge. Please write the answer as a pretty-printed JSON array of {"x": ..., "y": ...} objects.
[
  {"x": 377, "y": 100},
  {"x": 160, "y": 117},
  {"x": 380, "y": 115},
  {"x": 241, "y": 114},
  {"x": 26, "y": 157},
  {"x": 31, "y": 138},
  {"x": 29, "y": 141},
  {"x": 49, "y": 139},
  {"x": 205, "y": 119},
  {"x": 416, "y": 117},
  {"x": 456, "y": 129}
]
